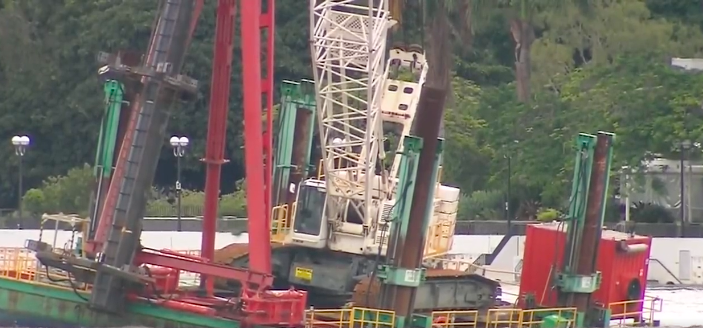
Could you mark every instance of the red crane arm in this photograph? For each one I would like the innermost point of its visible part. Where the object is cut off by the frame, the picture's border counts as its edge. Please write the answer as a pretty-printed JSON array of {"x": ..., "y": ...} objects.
[
  {"x": 268, "y": 23},
  {"x": 217, "y": 124},
  {"x": 257, "y": 146}
]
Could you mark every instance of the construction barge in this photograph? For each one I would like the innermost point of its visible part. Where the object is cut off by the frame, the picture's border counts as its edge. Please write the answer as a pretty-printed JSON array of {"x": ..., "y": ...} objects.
[{"x": 362, "y": 244}]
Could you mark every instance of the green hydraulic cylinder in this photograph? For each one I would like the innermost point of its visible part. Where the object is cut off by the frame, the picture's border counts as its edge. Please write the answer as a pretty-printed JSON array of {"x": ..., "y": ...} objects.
[
  {"x": 295, "y": 134},
  {"x": 107, "y": 141},
  {"x": 392, "y": 275},
  {"x": 578, "y": 279},
  {"x": 104, "y": 158},
  {"x": 583, "y": 167}
]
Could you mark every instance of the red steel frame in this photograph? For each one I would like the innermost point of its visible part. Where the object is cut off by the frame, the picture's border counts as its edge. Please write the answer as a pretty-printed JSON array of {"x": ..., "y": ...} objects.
[
  {"x": 262, "y": 308},
  {"x": 256, "y": 144},
  {"x": 258, "y": 147}
]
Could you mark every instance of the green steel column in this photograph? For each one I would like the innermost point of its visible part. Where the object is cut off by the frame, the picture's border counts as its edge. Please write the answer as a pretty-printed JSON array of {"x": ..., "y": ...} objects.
[
  {"x": 105, "y": 153},
  {"x": 104, "y": 158},
  {"x": 295, "y": 96},
  {"x": 393, "y": 275},
  {"x": 583, "y": 166},
  {"x": 578, "y": 279},
  {"x": 435, "y": 172},
  {"x": 308, "y": 102}
]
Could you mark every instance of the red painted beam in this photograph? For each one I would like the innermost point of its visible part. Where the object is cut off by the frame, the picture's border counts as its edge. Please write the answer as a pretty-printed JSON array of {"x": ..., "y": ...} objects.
[
  {"x": 267, "y": 25},
  {"x": 247, "y": 277},
  {"x": 217, "y": 125},
  {"x": 257, "y": 210}
]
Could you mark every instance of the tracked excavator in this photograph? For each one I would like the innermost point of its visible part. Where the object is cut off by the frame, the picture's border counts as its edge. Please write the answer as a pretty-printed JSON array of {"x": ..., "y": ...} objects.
[{"x": 332, "y": 231}]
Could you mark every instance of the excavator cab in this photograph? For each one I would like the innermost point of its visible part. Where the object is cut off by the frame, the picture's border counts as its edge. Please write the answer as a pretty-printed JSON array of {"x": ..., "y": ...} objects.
[{"x": 309, "y": 227}]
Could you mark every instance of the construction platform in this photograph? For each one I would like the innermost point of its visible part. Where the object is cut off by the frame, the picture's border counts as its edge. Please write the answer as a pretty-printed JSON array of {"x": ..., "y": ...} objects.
[{"x": 31, "y": 296}]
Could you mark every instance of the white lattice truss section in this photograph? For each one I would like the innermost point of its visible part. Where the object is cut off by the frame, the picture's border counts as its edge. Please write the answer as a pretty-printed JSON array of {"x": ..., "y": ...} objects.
[{"x": 348, "y": 50}]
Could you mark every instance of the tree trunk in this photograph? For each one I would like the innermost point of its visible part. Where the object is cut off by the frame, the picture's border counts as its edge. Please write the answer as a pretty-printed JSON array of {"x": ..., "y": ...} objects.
[{"x": 523, "y": 35}]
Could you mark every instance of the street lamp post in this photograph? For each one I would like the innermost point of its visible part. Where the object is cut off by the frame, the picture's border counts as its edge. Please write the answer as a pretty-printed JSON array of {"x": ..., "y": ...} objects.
[
  {"x": 685, "y": 144},
  {"x": 508, "y": 194},
  {"x": 179, "y": 145},
  {"x": 21, "y": 143},
  {"x": 508, "y": 157}
]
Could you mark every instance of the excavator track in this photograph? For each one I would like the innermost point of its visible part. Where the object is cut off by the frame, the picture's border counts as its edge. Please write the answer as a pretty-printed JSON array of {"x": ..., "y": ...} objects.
[
  {"x": 443, "y": 289},
  {"x": 465, "y": 291}
]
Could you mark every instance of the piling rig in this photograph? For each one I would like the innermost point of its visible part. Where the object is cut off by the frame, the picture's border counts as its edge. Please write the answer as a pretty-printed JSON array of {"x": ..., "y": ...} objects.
[
  {"x": 140, "y": 94},
  {"x": 335, "y": 232}
]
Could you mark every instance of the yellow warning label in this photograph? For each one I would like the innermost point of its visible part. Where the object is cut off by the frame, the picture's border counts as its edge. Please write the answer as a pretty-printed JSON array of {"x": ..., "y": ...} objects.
[{"x": 303, "y": 273}]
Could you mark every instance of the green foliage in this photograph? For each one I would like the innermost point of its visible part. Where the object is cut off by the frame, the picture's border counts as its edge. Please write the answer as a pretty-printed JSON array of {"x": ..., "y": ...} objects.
[
  {"x": 481, "y": 205},
  {"x": 49, "y": 88},
  {"x": 192, "y": 205},
  {"x": 69, "y": 193},
  {"x": 548, "y": 215},
  {"x": 595, "y": 67}
]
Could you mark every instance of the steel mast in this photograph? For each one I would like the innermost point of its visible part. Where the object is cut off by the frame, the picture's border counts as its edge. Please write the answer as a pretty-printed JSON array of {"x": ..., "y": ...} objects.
[{"x": 348, "y": 40}]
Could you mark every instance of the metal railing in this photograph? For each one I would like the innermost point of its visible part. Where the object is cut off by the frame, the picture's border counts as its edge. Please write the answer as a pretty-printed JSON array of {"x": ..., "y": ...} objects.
[
  {"x": 349, "y": 318},
  {"x": 280, "y": 223},
  {"x": 460, "y": 319},
  {"x": 535, "y": 317},
  {"x": 626, "y": 313},
  {"x": 439, "y": 238},
  {"x": 20, "y": 264}
]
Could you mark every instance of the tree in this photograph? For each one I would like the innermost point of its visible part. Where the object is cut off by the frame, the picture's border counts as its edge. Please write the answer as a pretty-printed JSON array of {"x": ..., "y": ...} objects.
[{"x": 68, "y": 194}]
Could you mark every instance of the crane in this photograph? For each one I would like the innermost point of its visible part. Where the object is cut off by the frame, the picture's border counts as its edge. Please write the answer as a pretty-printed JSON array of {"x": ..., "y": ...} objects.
[
  {"x": 361, "y": 98},
  {"x": 348, "y": 44},
  {"x": 117, "y": 266},
  {"x": 342, "y": 223}
]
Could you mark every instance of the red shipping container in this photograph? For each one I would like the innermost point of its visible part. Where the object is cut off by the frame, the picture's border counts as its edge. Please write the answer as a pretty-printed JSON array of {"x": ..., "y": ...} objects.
[{"x": 623, "y": 261}]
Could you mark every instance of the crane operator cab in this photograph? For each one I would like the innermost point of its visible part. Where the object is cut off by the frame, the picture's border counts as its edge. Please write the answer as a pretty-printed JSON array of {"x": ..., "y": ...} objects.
[
  {"x": 316, "y": 213},
  {"x": 309, "y": 228}
]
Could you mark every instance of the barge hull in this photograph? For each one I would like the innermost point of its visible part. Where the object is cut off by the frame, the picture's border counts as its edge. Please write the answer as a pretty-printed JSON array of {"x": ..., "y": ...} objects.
[{"x": 28, "y": 304}]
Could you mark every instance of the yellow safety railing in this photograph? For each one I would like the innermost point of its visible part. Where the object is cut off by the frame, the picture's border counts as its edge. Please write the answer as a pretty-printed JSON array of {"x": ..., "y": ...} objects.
[
  {"x": 279, "y": 223},
  {"x": 503, "y": 317},
  {"x": 336, "y": 318},
  {"x": 439, "y": 238},
  {"x": 20, "y": 264},
  {"x": 635, "y": 311},
  {"x": 372, "y": 318},
  {"x": 535, "y": 317},
  {"x": 461, "y": 319},
  {"x": 350, "y": 318}
]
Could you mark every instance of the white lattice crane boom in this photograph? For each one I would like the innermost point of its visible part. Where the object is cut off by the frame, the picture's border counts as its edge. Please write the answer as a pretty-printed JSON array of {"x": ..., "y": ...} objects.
[{"x": 348, "y": 47}]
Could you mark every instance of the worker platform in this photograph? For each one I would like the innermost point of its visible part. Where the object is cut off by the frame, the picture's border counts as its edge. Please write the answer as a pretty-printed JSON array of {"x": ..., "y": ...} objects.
[{"x": 18, "y": 266}]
